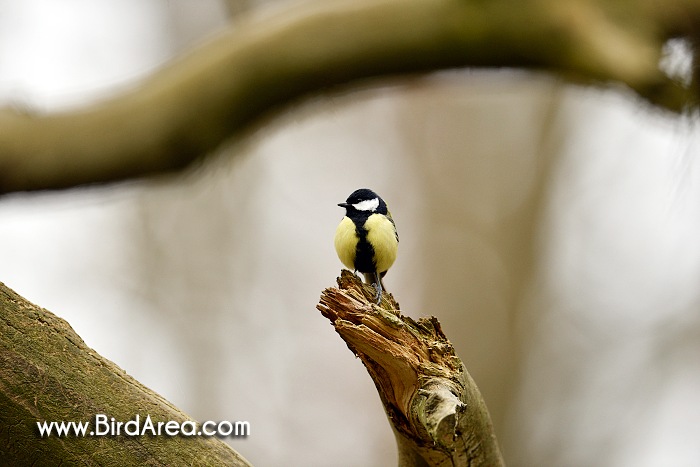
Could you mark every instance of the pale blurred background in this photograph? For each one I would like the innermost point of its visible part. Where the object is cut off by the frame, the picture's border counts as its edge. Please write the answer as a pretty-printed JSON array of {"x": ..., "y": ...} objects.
[{"x": 552, "y": 229}]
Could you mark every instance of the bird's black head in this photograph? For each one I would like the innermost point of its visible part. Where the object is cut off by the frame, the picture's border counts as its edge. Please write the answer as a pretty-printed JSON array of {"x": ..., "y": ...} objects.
[{"x": 364, "y": 201}]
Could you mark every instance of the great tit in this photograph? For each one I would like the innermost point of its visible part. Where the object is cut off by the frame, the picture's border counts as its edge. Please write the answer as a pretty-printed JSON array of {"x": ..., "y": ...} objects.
[{"x": 366, "y": 239}]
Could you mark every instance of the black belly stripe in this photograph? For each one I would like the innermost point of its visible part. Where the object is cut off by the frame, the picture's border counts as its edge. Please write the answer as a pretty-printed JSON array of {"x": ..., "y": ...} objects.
[{"x": 364, "y": 254}]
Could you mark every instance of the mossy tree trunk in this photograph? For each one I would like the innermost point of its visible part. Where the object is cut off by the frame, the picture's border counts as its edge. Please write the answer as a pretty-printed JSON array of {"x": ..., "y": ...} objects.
[{"x": 47, "y": 373}]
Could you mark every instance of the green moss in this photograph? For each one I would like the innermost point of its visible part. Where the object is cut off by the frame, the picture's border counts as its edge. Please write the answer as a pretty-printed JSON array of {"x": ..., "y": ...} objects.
[{"x": 47, "y": 373}]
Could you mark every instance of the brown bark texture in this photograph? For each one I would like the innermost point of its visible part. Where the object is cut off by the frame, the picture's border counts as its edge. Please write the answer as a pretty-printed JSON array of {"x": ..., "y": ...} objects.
[{"x": 434, "y": 407}]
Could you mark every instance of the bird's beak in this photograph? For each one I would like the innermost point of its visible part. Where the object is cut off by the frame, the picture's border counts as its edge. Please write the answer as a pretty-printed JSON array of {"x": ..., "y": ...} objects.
[{"x": 343, "y": 205}]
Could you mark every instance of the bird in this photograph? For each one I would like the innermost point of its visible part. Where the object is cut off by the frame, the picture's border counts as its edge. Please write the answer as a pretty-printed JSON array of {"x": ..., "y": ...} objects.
[{"x": 366, "y": 239}]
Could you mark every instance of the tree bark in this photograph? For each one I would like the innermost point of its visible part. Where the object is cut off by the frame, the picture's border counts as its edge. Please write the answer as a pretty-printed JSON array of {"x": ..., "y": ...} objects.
[
  {"x": 187, "y": 109},
  {"x": 435, "y": 409},
  {"x": 47, "y": 373}
]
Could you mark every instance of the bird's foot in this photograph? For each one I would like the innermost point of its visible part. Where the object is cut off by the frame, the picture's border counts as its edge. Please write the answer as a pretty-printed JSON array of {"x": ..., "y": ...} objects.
[{"x": 378, "y": 297}]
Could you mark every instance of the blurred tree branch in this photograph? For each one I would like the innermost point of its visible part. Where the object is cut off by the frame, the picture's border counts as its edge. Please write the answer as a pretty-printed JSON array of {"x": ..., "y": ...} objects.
[
  {"x": 47, "y": 373},
  {"x": 436, "y": 410},
  {"x": 187, "y": 109}
]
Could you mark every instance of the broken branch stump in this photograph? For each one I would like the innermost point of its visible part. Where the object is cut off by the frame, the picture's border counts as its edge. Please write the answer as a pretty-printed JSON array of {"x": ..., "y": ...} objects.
[{"x": 435, "y": 409}]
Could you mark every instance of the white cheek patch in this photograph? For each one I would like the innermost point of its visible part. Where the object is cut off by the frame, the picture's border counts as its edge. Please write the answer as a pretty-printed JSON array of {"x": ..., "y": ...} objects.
[{"x": 367, "y": 205}]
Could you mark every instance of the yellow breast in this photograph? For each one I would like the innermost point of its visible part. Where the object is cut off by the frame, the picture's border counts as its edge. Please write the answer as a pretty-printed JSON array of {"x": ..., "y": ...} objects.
[
  {"x": 381, "y": 234},
  {"x": 346, "y": 242}
]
